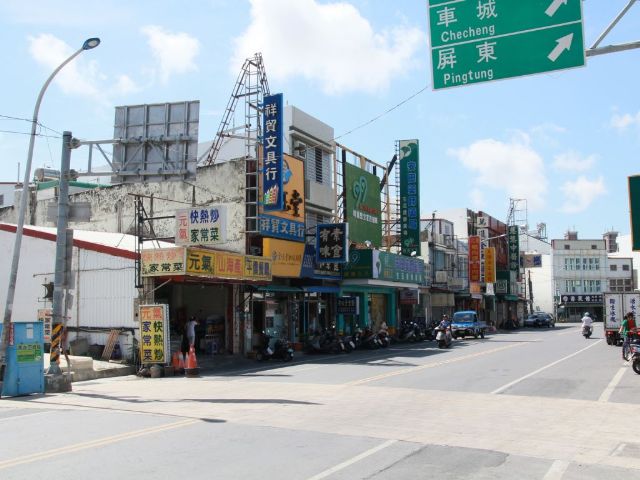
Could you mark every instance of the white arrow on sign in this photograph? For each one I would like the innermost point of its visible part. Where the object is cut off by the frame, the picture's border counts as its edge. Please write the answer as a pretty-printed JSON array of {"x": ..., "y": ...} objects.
[
  {"x": 555, "y": 5},
  {"x": 563, "y": 44}
]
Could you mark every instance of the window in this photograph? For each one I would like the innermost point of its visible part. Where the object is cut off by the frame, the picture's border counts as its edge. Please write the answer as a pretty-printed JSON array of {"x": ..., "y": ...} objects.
[
  {"x": 596, "y": 263},
  {"x": 594, "y": 247},
  {"x": 585, "y": 263},
  {"x": 625, "y": 268},
  {"x": 566, "y": 264},
  {"x": 318, "y": 158},
  {"x": 567, "y": 247},
  {"x": 613, "y": 267}
]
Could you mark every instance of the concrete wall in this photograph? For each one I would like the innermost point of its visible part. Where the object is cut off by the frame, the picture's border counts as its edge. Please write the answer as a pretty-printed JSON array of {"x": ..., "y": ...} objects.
[{"x": 113, "y": 208}]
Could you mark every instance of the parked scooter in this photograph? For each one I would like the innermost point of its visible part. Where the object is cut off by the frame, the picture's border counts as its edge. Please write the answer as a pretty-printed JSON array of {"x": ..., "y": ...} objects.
[
  {"x": 370, "y": 339},
  {"x": 587, "y": 330},
  {"x": 383, "y": 335},
  {"x": 634, "y": 356},
  {"x": 409, "y": 332},
  {"x": 274, "y": 348},
  {"x": 443, "y": 336}
]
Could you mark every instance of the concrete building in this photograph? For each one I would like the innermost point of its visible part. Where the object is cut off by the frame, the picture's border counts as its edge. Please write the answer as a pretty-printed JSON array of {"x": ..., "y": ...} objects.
[{"x": 7, "y": 190}]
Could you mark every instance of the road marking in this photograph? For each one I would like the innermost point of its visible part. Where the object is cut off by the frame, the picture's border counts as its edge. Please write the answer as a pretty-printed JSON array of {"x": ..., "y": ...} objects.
[
  {"x": 557, "y": 470},
  {"x": 511, "y": 384},
  {"x": 353, "y": 460},
  {"x": 92, "y": 444},
  {"x": 431, "y": 365},
  {"x": 606, "y": 395},
  {"x": 17, "y": 417}
]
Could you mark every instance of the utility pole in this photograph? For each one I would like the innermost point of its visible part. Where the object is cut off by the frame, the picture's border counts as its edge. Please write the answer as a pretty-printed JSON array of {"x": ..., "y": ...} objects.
[
  {"x": 433, "y": 248},
  {"x": 530, "y": 292}
]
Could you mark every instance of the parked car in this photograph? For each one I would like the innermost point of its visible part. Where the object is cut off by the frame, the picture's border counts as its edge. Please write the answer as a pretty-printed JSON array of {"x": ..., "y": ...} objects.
[
  {"x": 466, "y": 324},
  {"x": 540, "y": 319}
]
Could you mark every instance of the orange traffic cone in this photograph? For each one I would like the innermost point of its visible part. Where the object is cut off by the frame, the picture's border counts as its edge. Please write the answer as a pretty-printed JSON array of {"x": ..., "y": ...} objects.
[
  {"x": 177, "y": 363},
  {"x": 192, "y": 369}
]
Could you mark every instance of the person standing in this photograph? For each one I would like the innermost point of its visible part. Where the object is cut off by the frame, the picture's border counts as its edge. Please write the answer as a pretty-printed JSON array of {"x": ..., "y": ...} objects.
[{"x": 191, "y": 330}]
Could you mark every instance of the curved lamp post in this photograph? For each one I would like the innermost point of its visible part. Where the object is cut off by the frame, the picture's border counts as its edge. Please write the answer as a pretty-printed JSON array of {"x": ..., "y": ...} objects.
[{"x": 6, "y": 324}]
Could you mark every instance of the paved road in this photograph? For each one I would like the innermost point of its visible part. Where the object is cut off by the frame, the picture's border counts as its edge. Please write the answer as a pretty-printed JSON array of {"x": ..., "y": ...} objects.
[{"x": 532, "y": 404}]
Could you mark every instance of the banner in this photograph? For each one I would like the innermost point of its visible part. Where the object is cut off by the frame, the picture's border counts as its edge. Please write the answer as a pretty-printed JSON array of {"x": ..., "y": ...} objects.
[
  {"x": 272, "y": 195},
  {"x": 288, "y": 223},
  {"x": 362, "y": 205},
  {"x": 201, "y": 226},
  {"x": 514, "y": 248},
  {"x": 154, "y": 333},
  {"x": 44, "y": 316},
  {"x": 409, "y": 198}
]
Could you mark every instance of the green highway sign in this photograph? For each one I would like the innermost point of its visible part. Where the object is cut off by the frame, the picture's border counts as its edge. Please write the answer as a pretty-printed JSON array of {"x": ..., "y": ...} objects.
[{"x": 475, "y": 41}]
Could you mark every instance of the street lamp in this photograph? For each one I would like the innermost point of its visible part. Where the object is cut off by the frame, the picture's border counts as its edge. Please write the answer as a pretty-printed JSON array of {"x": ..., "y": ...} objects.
[{"x": 88, "y": 44}]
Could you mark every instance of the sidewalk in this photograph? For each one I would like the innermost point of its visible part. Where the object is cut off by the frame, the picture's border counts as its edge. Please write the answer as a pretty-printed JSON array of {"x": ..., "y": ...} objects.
[{"x": 86, "y": 368}]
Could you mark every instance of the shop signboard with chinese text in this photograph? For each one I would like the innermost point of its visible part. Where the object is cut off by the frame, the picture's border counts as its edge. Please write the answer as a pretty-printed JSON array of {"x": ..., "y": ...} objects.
[
  {"x": 288, "y": 223},
  {"x": 514, "y": 248},
  {"x": 160, "y": 262},
  {"x": 634, "y": 211},
  {"x": 362, "y": 205},
  {"x": 474, "y": 258},
  {"x": 200, "y": 262},
  {"x": 311, "y": 268},
  {"x": 332, "y": 241},
  {"x": 490, "y": 265},
  {"x": 531, "y": 260},
  {"x": 257, "y": 269},
  {"x": 201, "y": 225},
  {"x": 347, "y": 306},
  {"x": 154, "y": 334},
  {"x": 409, "y": 198},
  {"x": 272, "y": 194},
  {"x": 229, "y": 265},
  {"x": 286, "y": 257},
  {"x": 377, "y": 265},
  {"x": 583, "y": 298},
  {"x": 44, "y": 316},
  {"x": 475, "y": 41}
]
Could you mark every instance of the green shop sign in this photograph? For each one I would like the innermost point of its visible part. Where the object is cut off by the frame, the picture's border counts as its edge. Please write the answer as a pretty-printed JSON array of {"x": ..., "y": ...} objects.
[
  {"x": 377, "y": 265},
  {"x": 409, "y": 198},
  {"x": 362, "y": 205},
  {"x": 28, "y": 352}
]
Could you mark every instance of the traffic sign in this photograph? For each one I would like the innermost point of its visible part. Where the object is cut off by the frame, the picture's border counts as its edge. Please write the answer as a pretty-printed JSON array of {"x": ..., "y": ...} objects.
[{"x": 475, "y": 41}]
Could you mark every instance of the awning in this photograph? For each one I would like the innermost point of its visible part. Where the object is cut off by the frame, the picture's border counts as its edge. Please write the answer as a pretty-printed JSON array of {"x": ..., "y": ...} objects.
[
  {"x": 278, "y": 288},
  {"x": 320, "y": 289},
  {"x": 510, "y": 298}
]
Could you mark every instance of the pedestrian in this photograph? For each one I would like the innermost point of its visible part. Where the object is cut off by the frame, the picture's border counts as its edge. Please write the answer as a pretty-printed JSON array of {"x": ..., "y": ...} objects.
[{"x": 191, "y": 330}]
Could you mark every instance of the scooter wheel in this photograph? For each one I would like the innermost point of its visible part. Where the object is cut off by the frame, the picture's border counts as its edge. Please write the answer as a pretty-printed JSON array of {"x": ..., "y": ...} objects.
[
  {"x": 636, "y": 366},
  {"x": 288, "y": 357}
]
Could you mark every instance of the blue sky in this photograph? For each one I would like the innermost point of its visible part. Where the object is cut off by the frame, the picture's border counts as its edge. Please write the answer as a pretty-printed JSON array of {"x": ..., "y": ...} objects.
[{"x": 564, "y": 141}]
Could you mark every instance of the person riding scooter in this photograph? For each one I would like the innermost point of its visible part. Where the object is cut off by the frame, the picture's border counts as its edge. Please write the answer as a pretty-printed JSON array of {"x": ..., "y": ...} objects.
[
  {"x": 443, "y": 332},
  {"x": 587, "y": 325}
]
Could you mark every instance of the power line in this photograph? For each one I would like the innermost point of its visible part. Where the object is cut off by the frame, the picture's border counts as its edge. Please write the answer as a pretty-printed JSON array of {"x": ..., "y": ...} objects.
[{"x": 29, "y": 133}]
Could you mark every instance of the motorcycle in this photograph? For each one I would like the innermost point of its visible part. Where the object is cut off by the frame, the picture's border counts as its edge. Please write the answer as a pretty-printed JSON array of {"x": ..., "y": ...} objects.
[
  {"x": 634, "y": 356},
  {"x": 409, "y": 332},
  {"x": 383, "y": 336},
  {"x": 443, "y": 336},
  {"x": 370, "y": 339},
  {"x": 587, "y": 330},
  {"x": 280, "y": 348}
]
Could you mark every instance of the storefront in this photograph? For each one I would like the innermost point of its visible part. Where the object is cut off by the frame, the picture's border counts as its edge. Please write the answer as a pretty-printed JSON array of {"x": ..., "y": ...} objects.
[
  {"x": 205, "y": 284},
  {"x": 377, "y": 279}
]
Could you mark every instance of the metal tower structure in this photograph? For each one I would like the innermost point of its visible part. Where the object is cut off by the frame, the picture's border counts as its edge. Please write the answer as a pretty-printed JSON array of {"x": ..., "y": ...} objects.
[
  {"x": 251, "y": 87},
  {"x": 519, "y": 215}
]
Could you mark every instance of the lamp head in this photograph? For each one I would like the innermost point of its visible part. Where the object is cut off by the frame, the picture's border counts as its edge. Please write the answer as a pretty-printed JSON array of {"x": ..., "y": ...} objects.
[{"x": 90, "y": 43}]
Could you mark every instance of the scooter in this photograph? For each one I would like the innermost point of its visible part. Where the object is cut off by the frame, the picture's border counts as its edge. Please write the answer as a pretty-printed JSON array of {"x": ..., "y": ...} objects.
[
  {"x": 383, "y": 336},
  {"x": 370, "y": 339},
  {"x": 443, "y": 337},
  {"x": 634, "y": 356},
  {"x": 587, "y": 331},
  {"x": 408, "y": 332},
  {"x": 281, "y": 349}
]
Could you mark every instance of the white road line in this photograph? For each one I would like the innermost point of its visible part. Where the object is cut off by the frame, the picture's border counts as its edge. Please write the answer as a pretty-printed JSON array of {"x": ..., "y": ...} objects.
[
  {"x": 511, "y": 384},
  {"x": 353, "y": 460},
  {"x": 19, "y": 417},
  {"x": 606, "y": 395},
  {"x": 557, "y": 470}
]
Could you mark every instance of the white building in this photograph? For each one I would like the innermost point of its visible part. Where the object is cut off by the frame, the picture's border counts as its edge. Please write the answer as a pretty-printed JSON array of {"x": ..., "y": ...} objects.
[{"x": 7, "y": 190}]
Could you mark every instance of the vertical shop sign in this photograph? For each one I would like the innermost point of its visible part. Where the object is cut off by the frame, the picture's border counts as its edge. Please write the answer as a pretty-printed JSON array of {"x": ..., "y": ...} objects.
[
  {"x": 201, "y": 226},
  {"x": 44, "y": 316},
  {"x": 332, "y": 240},
  {"x": 409, "y": 198},
  {"x": 514, "y": 249},
  {"x": 287, "y": 224},
  {"x": 474, "y": 258},
  {"x": 362, "y": 205},
  {"x": 154, "y": 333},
  {"x": 490, "y": 265},
  {"x": 272, "y": 195}
]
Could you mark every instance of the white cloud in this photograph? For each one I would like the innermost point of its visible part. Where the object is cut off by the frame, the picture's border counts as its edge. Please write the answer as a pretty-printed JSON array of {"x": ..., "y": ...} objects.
[
  {"x": 573, "y": 162},
  {"x": 330, "y": 43},
  {"x": 581, "y": 193},
  {"x": 547, "y": 133},
  {"x": 477, "y": 199},
  {"x": 175, "y": 52},
  {"x": 624, "y": 121},
  {"x": 82, "y": 76},
  {"x": 513, "y": 167}
]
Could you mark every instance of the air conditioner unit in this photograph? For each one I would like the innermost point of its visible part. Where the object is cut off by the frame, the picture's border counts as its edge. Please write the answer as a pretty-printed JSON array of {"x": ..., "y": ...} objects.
[{"x": 299, "y": 148}]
